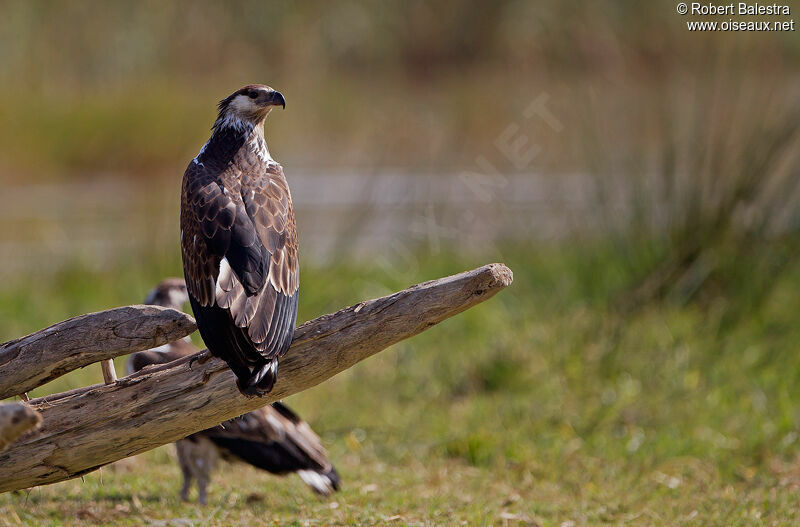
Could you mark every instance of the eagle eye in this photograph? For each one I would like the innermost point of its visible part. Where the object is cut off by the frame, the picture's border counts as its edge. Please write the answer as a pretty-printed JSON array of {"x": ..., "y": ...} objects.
[{"x": 253, "y": 94}]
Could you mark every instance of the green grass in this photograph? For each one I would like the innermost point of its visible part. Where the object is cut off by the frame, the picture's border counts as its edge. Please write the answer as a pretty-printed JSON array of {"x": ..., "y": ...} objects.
[{"x": 546, "y": 405}]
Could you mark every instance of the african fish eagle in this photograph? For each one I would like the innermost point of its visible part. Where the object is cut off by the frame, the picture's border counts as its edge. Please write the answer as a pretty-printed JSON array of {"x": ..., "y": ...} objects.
[{"x": 239, "y": 242}]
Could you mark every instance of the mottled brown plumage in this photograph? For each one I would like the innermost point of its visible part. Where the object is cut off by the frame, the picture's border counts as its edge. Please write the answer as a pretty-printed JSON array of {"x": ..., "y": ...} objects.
[
  {"x": 239, "y": 242},
  {"x": 275, "y": 439},
  {"x": 272, "y": 438},
  {"x": 170, "y": 352}
]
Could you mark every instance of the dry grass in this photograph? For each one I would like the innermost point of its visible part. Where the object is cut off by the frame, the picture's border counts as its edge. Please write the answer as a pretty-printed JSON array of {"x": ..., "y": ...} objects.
[{"x": 540, "y": 407}]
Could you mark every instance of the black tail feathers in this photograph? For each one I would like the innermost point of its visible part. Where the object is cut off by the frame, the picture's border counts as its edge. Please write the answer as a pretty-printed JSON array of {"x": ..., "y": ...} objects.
[
  {"x": 334, "y": 478},
  {"x": 261, "y": 381}
]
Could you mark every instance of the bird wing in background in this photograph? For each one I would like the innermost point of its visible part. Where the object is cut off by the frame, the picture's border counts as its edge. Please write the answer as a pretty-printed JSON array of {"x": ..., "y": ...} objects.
[
  {"x": 239, "y": 248},
  {"x": 164, "y": 354},
  {"x": 274, "y": 438}
]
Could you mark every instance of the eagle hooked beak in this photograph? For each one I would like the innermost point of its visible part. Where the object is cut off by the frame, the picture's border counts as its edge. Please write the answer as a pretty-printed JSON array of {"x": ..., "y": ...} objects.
[{"x": 275, "y": 98}]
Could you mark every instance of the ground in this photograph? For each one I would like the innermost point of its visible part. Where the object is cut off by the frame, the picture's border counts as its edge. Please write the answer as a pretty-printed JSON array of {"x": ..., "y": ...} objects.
[{"x": 548, "y": 405}]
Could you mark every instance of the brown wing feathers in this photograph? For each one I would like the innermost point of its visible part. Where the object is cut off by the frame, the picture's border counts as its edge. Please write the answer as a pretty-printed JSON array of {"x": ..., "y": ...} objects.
[
  {"x": 239, "y": 246},
  {"x": 267, "y": 425},
  {"x": 270, "y": 439}
]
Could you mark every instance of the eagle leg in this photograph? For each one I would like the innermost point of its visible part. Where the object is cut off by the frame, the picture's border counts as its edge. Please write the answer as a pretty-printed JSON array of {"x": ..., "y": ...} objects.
[{"x": 200, "y": 358}]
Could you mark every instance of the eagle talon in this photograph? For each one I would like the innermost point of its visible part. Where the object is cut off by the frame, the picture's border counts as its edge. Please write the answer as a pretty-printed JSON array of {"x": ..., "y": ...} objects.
[
  {"x": 200, "y": 358},
  {"x": 248, "y": 391}
]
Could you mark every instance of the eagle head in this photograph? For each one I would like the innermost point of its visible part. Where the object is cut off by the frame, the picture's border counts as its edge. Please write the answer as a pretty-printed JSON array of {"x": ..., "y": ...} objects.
[
  {"x": 170, "y": 292},
  {"x": 250, "y": 104}
]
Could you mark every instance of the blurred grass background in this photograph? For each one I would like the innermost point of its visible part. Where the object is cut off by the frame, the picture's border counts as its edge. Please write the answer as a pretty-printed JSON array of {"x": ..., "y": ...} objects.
[{"x": 643, "y": 367}]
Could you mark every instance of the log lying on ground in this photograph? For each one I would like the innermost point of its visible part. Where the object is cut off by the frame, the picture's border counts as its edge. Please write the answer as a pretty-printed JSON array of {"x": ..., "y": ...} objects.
[
  {"x": 40, "y": 357},
  {"x": 15, "y": 420},
  {"x": 90, "y": 427}
]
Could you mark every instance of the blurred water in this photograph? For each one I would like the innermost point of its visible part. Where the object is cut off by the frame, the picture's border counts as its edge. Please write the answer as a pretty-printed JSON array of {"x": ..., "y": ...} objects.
[{"x": 339, "y": 214}]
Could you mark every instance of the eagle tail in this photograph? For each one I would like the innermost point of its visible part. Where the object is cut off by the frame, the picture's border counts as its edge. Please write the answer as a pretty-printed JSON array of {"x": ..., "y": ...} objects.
[{"x": 261, "y": 381}]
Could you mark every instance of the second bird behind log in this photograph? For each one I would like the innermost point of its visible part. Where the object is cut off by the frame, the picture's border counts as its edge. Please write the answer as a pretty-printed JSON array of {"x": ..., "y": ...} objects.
[
  {"x": 239, "y": 242},
  {"x": 272, "y": 438}
]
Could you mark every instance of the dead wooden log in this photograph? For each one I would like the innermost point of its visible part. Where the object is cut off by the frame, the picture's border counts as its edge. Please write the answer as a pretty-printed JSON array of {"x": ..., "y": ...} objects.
[
  {"x": 15, "y": 420},
  {"x": 87, "y": 428},
  {"x": 40, "y": 357}
]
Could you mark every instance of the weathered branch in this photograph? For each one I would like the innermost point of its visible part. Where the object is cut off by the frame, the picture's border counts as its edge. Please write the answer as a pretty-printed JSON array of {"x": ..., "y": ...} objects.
[
  {"x": 90, "y": 427},
  {"x": 15, "y": 420},
  {"x": 40, "y": 357},
  {"x": 109, "y": 372}
]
